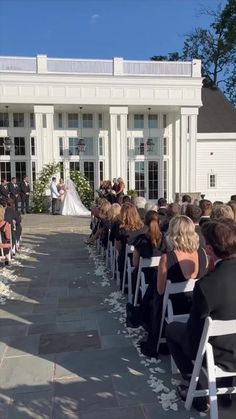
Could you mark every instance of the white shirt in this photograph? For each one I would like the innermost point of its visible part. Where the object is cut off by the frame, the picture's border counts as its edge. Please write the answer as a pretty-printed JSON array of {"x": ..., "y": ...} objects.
[{"x": 54, "y": 191}]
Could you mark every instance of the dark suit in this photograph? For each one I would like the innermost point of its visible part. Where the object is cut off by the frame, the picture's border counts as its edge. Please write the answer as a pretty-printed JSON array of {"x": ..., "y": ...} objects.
[
  {"x": 25, "y": 190},
  {"x": 214, "y": 296},
  {"x": 4, "y": 192},
  {"x": 14, "y": 193}
]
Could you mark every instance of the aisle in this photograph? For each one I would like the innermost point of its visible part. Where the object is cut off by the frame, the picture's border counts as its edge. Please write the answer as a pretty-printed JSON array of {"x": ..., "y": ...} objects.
[{"x": 63, "y": 353}]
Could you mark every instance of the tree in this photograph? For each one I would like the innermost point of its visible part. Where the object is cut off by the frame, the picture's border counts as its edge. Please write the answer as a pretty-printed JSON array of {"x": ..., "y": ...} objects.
[{"x": 215, "y": 47}]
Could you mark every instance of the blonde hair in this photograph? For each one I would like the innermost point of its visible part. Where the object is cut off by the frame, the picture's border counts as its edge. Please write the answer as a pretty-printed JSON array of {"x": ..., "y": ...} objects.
[
  {"x": 113, "y": 212},
  {"x": 222, "y": 211},
  {"x": 181, "y": 234},
  {"x": 232, "y": 205},
  {"x": 104, "y": 209}
]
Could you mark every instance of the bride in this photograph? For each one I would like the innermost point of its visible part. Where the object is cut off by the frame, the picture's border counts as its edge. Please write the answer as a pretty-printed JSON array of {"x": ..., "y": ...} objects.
[{"x": 71, "y": 203}]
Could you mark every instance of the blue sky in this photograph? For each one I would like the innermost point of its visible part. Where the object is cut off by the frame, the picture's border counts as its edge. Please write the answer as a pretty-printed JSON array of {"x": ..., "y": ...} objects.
[{"x": 133, "y": 29}]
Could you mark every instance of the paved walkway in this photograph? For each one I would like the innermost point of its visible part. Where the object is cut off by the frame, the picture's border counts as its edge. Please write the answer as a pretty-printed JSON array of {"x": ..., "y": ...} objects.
[{"x": 63, "y": 351}]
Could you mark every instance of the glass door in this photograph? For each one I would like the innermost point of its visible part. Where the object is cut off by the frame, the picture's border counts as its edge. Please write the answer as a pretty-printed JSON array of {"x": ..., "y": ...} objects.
[{"x": 147, "y": 179}]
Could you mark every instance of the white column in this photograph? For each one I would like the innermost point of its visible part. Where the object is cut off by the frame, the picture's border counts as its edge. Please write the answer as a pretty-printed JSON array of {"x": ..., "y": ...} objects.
[
  {"x": 192, "y": 151},
  {"x": 49, "y": 144},
  {"x": 44, "y": 136},
  {"x": 176, "y": 147},
  {"x": 118, "y": 142},
  {"x": 39, "y": 138},
  {"x": 123, "y": 148},
  {"x": 183, "y": 151}
]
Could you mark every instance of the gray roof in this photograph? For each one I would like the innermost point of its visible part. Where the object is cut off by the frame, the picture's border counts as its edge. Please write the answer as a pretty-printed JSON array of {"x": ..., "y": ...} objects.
[{"x": 217, "y": 114}]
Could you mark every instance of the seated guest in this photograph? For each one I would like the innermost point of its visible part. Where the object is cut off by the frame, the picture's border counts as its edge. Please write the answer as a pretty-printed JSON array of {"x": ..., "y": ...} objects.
[
  {"x": 194, "y": 213},
  {"x": 146, "y": 245},
  {"x": 126, "y": 198},
  {"x": 162, "y": 210},
  {"x": 222, "y": 211},
  {"x": 100, "y": 213},
  {"x": 149, "y": 206},
  {"x": 172, "y": 210},
  {"x": 233, "y": 198},
  {"x": 206, "y": 208},
  {"x": 214, "y": 296},
  {"x": 114, "y": 220},
  {"x": 184, "y": 260},
  {"x": 5, "y": 231},
  {"x": 14, "y": 219},
  {"x": 140, "y": 202},
  {"x": 232, "y": 205},
  {"x": 130, "y": 227}
]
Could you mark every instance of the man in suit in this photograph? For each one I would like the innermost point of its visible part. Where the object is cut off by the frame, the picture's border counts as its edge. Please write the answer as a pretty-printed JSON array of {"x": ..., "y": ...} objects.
[
  {"x": 214, "y": 296},
  {"x": 25, "y": 194},
  {"x": 4, "y": 191},
  {"x": 55, "y": 195},
  {"x": 162, "y": 210},
  {"x": 14, "y": 192}
]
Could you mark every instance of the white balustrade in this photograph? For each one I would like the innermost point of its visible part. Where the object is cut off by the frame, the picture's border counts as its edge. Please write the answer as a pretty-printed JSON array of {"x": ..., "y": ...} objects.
[
  {"x": 18, "y": 64},
  {"x": 56, "y": 65},
  {"x": 158, "y": 68}
]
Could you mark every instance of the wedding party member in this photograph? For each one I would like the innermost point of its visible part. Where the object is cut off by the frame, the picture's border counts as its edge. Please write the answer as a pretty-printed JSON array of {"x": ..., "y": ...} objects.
[
  {"x": 55, "y": 196},
  {"x": 25, "y": 194},
  {"x": 184, "y": 260},
  {"x": 61, "y": 187},
  {"x": 72, "y": 204},
  {"x": 120, "y": 189},
  {"x": 214, "y": 296},
  {"x": 14, "y": 192},
  {"x": 4, "y": 191}
]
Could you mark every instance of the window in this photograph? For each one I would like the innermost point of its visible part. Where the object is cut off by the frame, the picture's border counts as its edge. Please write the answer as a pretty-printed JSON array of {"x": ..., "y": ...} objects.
[
  {"x": 89, "y": 151},
  {"x": 19, "y": 146},
  {"x": 101, "y": 170},
  {"x": 153, "y": 179},
  {"x": 3, "y": 151},
  {"x": 101, "y": 147},
  {"x": 60, "y": 120},
  {"x": 152, "y": 121},
  {"x": 87, "y": 120},
  {"x": 44, "y": 120},
  {"x": 89, "y": 172},
  {"x": 165, "y": 146},
  {"x": 100, "y": 120},
  {"x": 164, "y": 121},
  {"x": 74, "y": 165},
  {"x": 138, "y": 121},
  {"x": 60, "y": 146},
  {"x": 33, "y": 171},
  {"x": 32, "y": 140},
  {"x": 73, "y": 121},
  {"x": 73, "y": 144},
  {"x": 18, "y": 120},
  {"x": 32, "y": 120},
  {"x": 212, "y": 180},
  {"x": 20, "y": 170},
  {"x": 4, "y": 119},
  {"x": 138, "y": 146},
  {"x": 139, "y": 178},
  {"x": 156, "y": 147},
  {"x": 165, "y": 177},
  {"x": 5, "y": 168}
]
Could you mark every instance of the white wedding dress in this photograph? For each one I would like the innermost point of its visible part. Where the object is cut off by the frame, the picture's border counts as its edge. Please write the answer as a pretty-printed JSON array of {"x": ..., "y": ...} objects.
[{"x": 72, "y": 204}]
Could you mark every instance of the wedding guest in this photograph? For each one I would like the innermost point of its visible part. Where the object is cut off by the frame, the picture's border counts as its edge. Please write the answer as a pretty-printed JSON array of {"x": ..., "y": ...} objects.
[
  {"x": 233, "y": 198},
  {"x": 232, "y": 205},
  {"x": 115, "y": 222},
  {"x": 173, "y": 209},
  {"x": 4, "y": 191},
  {"x": 184, "y": 260},
  {"x": 25, "y": 194},
  {"x": 14, "y": 219},
  {"x": 194, "y": 213},
  {"x": 206, "y": 208},
  {"x": 130, "y": 227},
  {"x": 222, "y": 211},
  {"x": 140, "y": 202},
  {"x": 14, "y": 192},
  {"x": 186, "y": 199},
  {"x": 214, "y": 296},
  {"x": 55, "y": 195},
  {"x": 162, "y": 210}
]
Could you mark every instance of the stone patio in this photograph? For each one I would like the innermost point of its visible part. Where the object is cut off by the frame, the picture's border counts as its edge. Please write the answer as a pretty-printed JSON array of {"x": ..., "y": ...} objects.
[{"x": 63, "y": 354}]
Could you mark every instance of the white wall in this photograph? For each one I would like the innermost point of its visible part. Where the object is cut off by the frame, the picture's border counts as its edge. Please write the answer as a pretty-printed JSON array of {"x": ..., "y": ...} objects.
[{"x": 217, "y": 157}]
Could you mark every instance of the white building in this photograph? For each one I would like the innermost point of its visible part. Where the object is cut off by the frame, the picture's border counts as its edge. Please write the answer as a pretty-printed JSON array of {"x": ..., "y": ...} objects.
[{"x": 48, "y": 104}]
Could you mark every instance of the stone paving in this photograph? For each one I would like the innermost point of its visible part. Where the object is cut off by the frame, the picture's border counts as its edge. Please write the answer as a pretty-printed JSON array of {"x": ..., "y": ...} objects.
[{"x": 63, "y": 353}]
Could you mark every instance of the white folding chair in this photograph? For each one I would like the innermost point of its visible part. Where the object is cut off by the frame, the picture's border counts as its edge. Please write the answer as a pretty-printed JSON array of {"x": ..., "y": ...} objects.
[
  {"x": 212, "y": 371},
  {"x": 171, "y": 289},
  {"x": 144, "y": 263},
  {"x": 129, "y": 250},
  {"x": 8, "y": 253}
]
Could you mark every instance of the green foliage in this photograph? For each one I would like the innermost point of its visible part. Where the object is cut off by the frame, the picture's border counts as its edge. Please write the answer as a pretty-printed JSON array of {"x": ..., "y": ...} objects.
[
  {"x": 132, "y": 193},
  {"x": 83, "y": 188},
  {"x": 41, "y": 184}
]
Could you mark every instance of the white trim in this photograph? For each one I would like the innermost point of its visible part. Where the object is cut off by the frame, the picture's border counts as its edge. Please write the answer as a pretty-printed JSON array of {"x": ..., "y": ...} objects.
[{"x": 217, "y": 136}]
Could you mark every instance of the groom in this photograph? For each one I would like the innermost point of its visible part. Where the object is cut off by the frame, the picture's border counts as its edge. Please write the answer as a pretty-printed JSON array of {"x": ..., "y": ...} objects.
[{"x": 55, "y": 197}]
